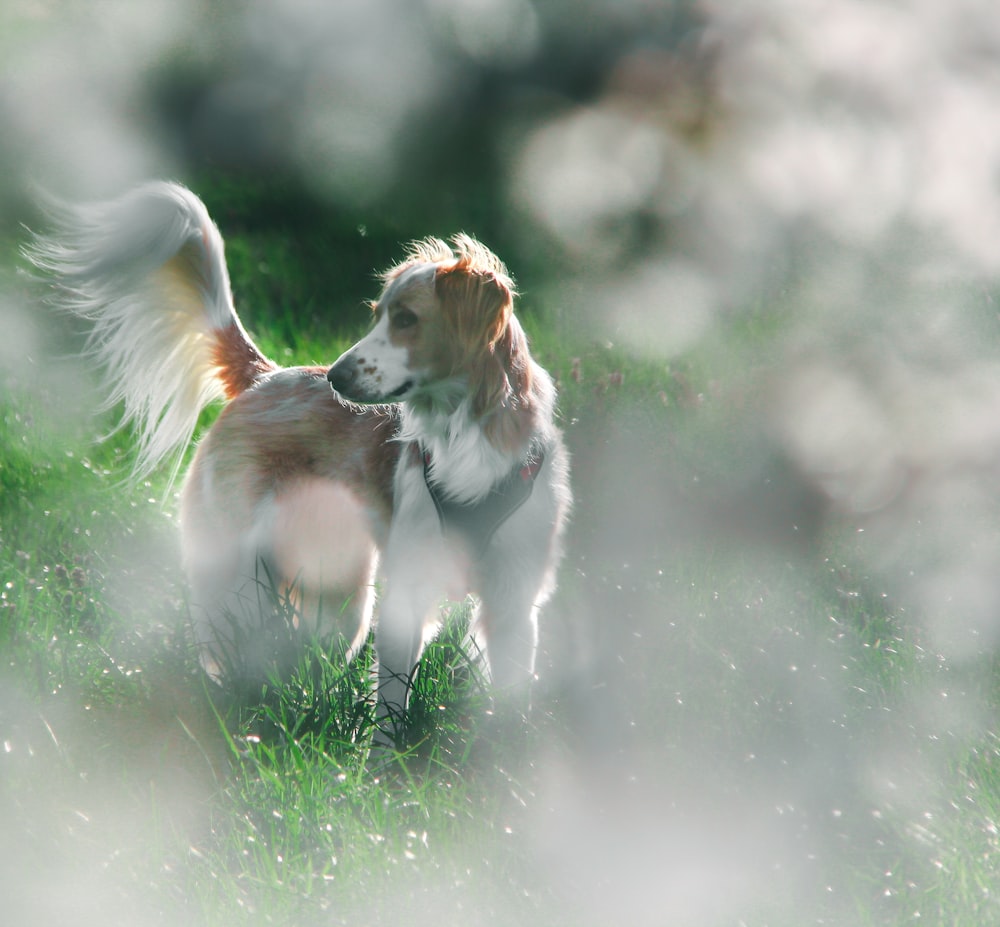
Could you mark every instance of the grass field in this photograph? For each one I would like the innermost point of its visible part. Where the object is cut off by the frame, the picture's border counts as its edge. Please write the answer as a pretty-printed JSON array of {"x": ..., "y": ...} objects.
[{"x": 734, "y": 722}]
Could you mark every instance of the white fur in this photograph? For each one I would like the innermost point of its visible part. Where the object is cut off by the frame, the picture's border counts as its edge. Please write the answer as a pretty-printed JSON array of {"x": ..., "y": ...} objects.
[
  {"x": 463, "y": 462},
  {"x": 151, "y": 323},
  {"x": 381, "y": 368}
]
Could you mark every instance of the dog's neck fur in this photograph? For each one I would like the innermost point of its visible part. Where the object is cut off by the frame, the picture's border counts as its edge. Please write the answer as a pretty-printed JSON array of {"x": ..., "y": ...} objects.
[{"x": 465, "y": 462}]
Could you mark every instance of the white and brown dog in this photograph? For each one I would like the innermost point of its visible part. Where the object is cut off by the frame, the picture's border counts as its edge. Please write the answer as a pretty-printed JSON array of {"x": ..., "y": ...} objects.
[{"x": 433, "y": 463}]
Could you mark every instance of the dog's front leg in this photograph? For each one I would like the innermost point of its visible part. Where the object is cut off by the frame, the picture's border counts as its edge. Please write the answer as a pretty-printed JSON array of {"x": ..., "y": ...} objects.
[
  {"x": 416, "y": 578},
  {"x": 508, "y": 621},
  {"x": 399, "y": 638}
]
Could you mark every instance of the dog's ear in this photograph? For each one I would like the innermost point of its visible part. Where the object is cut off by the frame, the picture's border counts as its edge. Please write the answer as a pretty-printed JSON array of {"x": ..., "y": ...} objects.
[
  {"x": 492, "y": 350},
  {"x": 476, "y": 305}
]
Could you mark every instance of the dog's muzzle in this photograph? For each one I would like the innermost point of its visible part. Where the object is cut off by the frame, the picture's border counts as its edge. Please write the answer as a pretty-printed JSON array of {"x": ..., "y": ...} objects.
[{"x": 345, "y": 378}]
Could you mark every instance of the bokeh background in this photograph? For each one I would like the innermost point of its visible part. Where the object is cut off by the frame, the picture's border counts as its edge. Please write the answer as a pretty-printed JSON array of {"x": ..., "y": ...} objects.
[{"x": 758, "y": 244}]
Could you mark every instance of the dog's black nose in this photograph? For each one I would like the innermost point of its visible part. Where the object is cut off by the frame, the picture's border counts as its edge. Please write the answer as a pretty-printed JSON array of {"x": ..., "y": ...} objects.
[{"x": 341, "y": 376}]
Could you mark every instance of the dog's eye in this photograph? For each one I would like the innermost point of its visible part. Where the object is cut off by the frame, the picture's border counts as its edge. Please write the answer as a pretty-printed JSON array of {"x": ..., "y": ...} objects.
[{"x": 404, "y": 319}]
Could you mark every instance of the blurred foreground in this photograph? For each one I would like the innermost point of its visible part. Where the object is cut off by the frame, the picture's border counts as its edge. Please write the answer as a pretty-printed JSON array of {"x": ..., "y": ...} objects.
[{"x": 758, "y": 243}]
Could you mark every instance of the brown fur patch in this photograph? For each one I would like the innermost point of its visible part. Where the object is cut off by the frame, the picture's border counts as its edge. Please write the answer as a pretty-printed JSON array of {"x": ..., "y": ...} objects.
[
  {"x": 490, "y": 347},
  {"x": 239, "y": 362},
  {"x": 511, "y": 419},
  {"x": 293, "y": 427}
]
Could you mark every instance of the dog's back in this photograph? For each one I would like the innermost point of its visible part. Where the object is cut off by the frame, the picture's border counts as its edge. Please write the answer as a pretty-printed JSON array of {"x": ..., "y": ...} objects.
[{"x": 283, "y": 510}]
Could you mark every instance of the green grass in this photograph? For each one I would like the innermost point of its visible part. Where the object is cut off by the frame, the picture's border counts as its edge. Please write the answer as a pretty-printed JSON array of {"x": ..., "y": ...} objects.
[{"x": 711, "y": 705}]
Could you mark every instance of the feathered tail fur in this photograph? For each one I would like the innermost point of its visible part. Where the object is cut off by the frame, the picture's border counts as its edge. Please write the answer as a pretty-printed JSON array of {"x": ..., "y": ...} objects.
[{"x": 148, "y": 273}]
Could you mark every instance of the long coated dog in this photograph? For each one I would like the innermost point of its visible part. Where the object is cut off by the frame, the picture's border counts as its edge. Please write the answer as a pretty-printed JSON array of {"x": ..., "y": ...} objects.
[{"x": 432, "y": 467}]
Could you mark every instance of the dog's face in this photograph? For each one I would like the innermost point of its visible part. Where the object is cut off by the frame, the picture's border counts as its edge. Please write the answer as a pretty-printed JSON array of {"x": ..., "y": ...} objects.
[
  {"x": 391, "y": 361},
  {"x": 436, "y": 325}
]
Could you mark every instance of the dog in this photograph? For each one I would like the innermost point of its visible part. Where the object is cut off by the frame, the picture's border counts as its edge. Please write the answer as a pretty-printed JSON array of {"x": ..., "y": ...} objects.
[{"x": 425, "y": 460}]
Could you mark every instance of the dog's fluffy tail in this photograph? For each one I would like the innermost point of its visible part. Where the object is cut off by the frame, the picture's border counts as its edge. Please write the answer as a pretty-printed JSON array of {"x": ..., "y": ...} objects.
[{"x": 148, "y": 273}]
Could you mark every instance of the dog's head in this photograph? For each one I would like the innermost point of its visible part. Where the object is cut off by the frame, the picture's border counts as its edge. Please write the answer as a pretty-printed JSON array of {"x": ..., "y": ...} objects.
[{"x": 443, "y": 330}]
